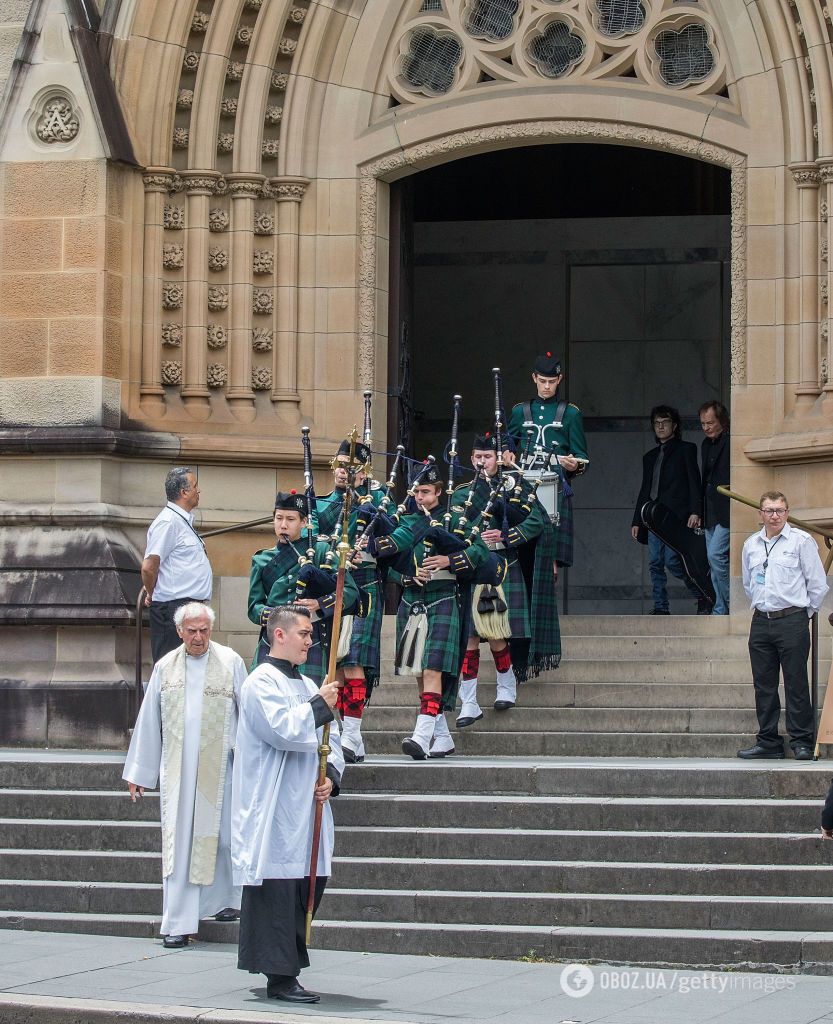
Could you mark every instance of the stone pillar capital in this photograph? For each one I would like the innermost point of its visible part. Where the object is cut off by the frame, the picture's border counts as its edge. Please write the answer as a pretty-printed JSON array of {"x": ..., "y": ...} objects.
[
  {"x": 242, "y": 185},
  {"x": 805, "y": 175},
  {"x": 161, "y": 179},
  {"x": 825, "y": 170},
  {"x": 205, "y": 183},
  {"x": 287, "y": 189}
]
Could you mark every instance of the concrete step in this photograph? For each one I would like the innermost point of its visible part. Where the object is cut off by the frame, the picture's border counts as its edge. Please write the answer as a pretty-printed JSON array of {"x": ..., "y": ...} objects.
[
  {"x": 653, "y": 814},
  {"x": 568, "y": 845},
  {"x": 667, "y": 947},
  {"x": 144, "y": 926},
  {"x": 81, "y": 866},
  {"x": 81, "y": 897},
  {"x": 431, "y": 906},
  {"x": 80, "y": 836},
  {"x": 32, "y": 770},
  {"x": 478, "y": 875},
  {"x": 98, "y": 805},
  {"x": 490, "y": 743},
  {"x": 633, "y": 720}
]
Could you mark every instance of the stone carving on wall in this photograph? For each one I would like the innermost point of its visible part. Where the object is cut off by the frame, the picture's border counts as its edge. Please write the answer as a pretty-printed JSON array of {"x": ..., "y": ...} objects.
[
  {"x": 262, "y": 339},
  {"x": 262, "y": 301},
  {"x": 172, "y": 295},
  {"x": 280, "y": 81},
  {"x": 234, "y": 71},
  {"x": 297, "y": 15},
  {"x": 287, "y": 47},
  {"x": 216, "y": 335},
  {"x": 216, "y": 375},
  {"x": 173, "y": 217},
  {"x": 461, "y": 45},
  {"x": 823, "y": 250},
  {"x": 228, "y": 107},
  {"x": 218, "y": 220},
  {"x": 190, "y": 61},
  {"x": 217, "y": 297},
  {"x": 264, "y": 223},
  {"x": 273, "y": 115},
  {"x": 173, "y": 257},
  {"x": 269, "y": 148},
  {"x": 217, "y": 258},
  {"x": 225, "y": 142},
  {"x": 479, "y": 139},
  {"x": 180, "y": 138},
  {"x": 199, "y": 23},
  {"x": 171, "y": 372},
  {"x": 172, "y": 334},
  {"x": 57, "y": 122},
  {"x": 262, "y": 261},
  {"x": 244, "y": 35},
  {"x": 261, "y": 378},
  {"x": 823, "y": 291},
  {"x": 185, "y": 99}
]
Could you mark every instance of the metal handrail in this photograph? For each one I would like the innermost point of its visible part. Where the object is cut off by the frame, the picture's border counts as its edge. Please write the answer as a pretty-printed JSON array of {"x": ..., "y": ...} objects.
[
  {"x": 138, "y": 691},
  {"x": 802, "y": 524}
]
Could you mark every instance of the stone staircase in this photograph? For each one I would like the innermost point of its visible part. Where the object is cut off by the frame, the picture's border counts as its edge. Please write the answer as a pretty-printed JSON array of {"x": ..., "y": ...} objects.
[{"x": 508, "y": 852}]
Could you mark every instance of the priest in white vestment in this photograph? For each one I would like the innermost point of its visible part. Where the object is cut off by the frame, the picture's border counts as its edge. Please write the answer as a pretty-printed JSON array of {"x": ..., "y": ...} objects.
[
  {"x": 184, "y": 737},
  {"x": 275, "y": 792}
]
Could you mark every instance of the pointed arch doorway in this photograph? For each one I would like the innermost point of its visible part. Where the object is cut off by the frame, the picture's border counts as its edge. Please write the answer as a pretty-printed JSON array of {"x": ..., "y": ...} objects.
[{"x": 616, "y": 256}]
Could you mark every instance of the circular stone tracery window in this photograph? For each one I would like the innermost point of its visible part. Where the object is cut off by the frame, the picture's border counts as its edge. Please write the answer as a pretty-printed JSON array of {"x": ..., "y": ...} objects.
[
  {"x": 556, "y": 51},
  {"x": 684, "y": 56},
  {"x": 431, "y": 61}
]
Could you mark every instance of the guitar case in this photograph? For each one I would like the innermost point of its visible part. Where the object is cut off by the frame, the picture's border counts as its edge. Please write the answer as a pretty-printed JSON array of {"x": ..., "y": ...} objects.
[{"x": 690, "y": 546}]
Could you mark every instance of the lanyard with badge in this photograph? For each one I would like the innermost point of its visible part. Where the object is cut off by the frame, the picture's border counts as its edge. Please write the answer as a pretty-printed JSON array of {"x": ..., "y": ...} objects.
[
  {"x": 190, "y": 526},
  {"x": 761, "y": 577}
]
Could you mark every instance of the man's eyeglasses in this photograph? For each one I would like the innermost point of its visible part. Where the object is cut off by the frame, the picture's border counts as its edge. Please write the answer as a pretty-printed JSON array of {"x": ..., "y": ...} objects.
[
  {"x": 774, "y": 512},
  {"x": 662, "y": 421}
]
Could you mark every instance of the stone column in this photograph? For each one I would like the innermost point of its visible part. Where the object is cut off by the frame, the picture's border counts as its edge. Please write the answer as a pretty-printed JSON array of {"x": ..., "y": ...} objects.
[
  {"x": 807, "y": 179},
  {"x": 825, "y": 171},
  {"x": 199, "y": 186},
  {"x": 289, "y": 192},
  {"x": 159, "y": 182},
  {"x": 244, "y": 189}
]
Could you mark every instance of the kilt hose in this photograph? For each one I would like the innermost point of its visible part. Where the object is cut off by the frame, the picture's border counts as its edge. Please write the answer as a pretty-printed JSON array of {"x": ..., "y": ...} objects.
[
  {"x": 564, "y": 533},
  {"x": 366, "y": 638}
]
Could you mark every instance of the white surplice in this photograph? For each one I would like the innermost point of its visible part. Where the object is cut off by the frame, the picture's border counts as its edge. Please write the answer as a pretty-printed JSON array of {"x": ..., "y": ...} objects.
[
  {"x": 275, "y": 773},
  {"x": 183, "y": 902}
]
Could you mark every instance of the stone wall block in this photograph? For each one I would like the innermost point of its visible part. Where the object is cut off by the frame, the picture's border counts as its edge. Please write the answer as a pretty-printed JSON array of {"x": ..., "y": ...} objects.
[
  {"x": 64, "y": 189},
  {"x": 50, "y": 295},
  {"x": 23, "y": 348},
  {"x": 75, "y": 346},
  {"x": 84, "y": 243},
  {"x": 30, "y": 245}
]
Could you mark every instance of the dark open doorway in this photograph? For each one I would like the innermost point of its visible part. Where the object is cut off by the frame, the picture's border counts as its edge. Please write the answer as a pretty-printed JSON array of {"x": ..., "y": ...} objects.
[{"x": 618, "y": 258}]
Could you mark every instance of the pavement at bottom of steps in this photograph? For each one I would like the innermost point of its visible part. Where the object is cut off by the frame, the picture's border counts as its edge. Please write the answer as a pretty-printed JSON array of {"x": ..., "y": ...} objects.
[{"x": 48, "y": 978}]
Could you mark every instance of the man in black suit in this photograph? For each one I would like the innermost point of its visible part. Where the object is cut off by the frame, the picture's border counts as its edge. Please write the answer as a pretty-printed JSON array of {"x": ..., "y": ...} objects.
[
  {"x": 670, "y": 476},
  {"x": 714, "y": 462}
]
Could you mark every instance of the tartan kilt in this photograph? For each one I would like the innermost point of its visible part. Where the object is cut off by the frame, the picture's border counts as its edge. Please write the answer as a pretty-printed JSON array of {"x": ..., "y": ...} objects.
[
  {"x": 564, "y": 533},
  {"x": 366, "y": 639},
  {"x": 316, "y": 664},
  {"x": 443, "y": 644},
  {"x": 517, "y": 599}
]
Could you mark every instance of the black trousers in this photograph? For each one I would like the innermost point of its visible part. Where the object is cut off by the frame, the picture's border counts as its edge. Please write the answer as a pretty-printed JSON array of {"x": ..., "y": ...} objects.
[
  {"x": 163, "y": 634},
  {"x": 777, "y": 645},
  {"x": 273, "y": 926}
]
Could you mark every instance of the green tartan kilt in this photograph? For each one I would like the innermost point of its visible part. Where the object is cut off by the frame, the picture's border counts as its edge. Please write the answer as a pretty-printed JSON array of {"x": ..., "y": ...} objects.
[
  {"x": 517, "y": 600},
  {"x": 366, "y": 639},
  {"x": 564, "y": 533},
  {"x": 316, "y": 664},
  {"x": 442, "y": 646}
]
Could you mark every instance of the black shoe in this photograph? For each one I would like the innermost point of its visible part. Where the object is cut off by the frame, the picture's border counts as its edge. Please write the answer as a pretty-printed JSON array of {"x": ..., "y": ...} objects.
[
  {"x": 462, "y": 723},
  {"x": 773, "y": 753},
  {"x": 504, "y": 705},
  {"x": 411, "y": 747},
  {"x": 704, "y": 607},
  {"x": 174, "y": 941},
  {"x": 290, "y": 991},
  {"x": 229, "y": 914},
  {"x": 441, "y": 753},
  {"x": 801, "y": 752},
  {"x": 659, "y": 611},
  {"x": 351, "y": 757}
]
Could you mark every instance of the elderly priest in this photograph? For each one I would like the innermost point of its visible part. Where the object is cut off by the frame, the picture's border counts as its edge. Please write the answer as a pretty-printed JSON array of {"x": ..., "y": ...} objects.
[
  {"x": 275, "y": 792},
  {"x": 184, "y": 737}
]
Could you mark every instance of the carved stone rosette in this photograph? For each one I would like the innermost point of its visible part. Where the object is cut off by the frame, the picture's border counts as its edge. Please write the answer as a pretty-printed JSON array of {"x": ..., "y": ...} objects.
[
  {"x": 217, "y": 375},
  {"x": 217, "y": 297},
  {"x": 264, "y": 223},
  {"x": 173, "y": 256},
  {"x": 171, "y": 372},
  {"x": 216, "y": 336},
  {"x": 172, "y": 335},
  {"x": 262, "y": 261},
  {"x": 217, "y": 258},
  {"x": 262, "y": 301},
  {"x": 58, "y": 122},
  {"x": 262, "y": 339},
  {"x": 261, "y": 378},
  {"x": 171, "y": 295},
  {"x": 218, "y": 220},
  {"x": 173, "y": 217}
]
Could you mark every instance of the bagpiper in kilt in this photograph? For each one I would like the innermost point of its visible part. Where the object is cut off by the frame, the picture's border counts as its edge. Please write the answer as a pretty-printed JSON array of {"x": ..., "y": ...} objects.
[
  {"x": 522, "y": 611},
  {"x": 431, "y": 623},
  {"x": 557, "y": 424},
  {"x": 278, "y": 577},
  {"x": 359, "y": 670}
]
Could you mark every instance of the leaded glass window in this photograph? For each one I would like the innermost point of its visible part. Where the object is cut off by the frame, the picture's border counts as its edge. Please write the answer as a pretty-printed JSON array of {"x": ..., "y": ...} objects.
[
  {"x": 556, "y": 50},
  {"x": 491, "y": 19},
  {"x": 684, "y": 56},
  {"x": 431, "y": 61},
  {"x": 620, "y": 17}
]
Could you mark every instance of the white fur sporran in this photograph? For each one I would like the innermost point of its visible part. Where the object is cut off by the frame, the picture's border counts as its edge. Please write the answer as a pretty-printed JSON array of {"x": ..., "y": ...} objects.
[
  {"x": 411, "y": 647},
  {"x": 492, "y": 624},
  {"x": 345, "y": 636}
]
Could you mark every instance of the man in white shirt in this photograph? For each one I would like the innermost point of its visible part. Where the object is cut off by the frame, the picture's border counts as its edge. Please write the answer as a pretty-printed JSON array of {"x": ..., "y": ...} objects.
[
  {"x": 783, "y": 577},
  {"x": 275, "y": 791},
  {"x": 184, "y": 737},
  {"x": 175, "y": 569}
]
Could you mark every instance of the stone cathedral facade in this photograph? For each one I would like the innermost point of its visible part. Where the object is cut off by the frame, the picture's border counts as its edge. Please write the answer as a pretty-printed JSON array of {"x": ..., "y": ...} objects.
[{"x": 195, "y": 259}]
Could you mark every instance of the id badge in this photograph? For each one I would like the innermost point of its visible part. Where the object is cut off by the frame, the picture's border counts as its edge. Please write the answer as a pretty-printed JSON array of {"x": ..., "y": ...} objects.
[{"x": 761, "y": 576}]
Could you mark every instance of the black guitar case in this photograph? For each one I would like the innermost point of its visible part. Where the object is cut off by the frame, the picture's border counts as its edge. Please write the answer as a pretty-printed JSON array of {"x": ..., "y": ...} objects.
[{"x": 690, "y": 546}]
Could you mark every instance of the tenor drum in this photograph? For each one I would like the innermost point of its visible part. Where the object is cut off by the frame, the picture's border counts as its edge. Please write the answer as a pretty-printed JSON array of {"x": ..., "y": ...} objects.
[{"x": 549, "y": 492}]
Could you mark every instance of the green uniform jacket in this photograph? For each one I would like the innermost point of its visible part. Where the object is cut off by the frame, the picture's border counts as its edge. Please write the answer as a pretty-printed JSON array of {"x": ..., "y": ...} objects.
[
  {"x": 329, "y": 508},
  {"x": 569, "y": 436}
]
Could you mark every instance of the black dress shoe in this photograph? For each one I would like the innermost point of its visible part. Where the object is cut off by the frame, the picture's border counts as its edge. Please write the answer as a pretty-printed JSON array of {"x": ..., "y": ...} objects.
[
  {"x": 772, "y": 753},
  {"x": 229, "y": 914},
  {"x": 659, "y": 611},
  {"x": 291, "y": 992},
  {"x": 351, "y": 757},
  {"x": 504, "y": 705},
  {"x": 802, "y": 753},
  {"x": 410, "y": 746},
  {"x": 174, "y": 941},
  {"x": 462, "y": 723}
]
